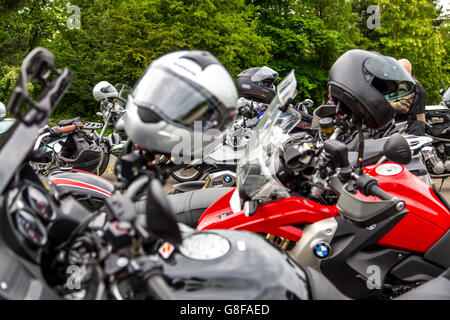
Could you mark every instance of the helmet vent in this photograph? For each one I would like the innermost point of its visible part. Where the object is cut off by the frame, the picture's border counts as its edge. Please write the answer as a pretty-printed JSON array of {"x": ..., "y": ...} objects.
[{"x": 202, "y": 58}]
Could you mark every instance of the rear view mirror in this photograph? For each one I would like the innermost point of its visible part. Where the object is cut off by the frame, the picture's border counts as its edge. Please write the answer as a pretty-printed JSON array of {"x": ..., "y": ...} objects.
[
  {"x": 397, "y": 149},
  {"x": 309, "y": 103},
  {"x": 338, "y": 152},
  {"x": 160, "y": 218},
  {"x": 441, "y": 92},
  {"x": 38, "y": 65}
]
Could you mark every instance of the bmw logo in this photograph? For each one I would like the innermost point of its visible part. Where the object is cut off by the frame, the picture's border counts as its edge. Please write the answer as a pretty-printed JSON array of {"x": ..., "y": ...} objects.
[
  {"x": 321, "y": 250},
  {"x": 227, "y": 179}
]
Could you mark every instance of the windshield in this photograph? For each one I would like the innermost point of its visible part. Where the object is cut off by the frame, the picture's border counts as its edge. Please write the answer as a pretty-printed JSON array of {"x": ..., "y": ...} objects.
[
  {"x": 5, "y": 124},
  {"x": 123, "y": 91},
  {"x": 257, "y": 169}
]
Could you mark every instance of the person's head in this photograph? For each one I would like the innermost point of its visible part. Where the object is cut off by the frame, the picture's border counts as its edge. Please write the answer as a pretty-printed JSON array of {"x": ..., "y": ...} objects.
[
  {"x": 363, "y": 83},
  {"x": 178, "y": 91},
  {"x": 406, "y": 64},
  {"x": 257, "y": 84}
]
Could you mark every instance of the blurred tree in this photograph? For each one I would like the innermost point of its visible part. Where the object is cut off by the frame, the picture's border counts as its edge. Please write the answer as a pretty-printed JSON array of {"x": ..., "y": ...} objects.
[
  {"x": 308, "y": 36},
  {"x": 117, "y": 39}
]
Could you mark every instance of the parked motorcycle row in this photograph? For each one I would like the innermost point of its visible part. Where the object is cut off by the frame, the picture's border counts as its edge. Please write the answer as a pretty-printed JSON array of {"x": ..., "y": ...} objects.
[{"x": 335, "y": 205}]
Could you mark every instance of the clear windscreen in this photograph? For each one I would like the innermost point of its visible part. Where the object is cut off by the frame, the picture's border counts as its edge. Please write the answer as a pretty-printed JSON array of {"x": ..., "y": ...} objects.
[
  {"x": 399, "y": 82},
  {"x": 265, "y": 73},
  {"x": 257, "y": 169},
  {"x": 123, "y": 91}
]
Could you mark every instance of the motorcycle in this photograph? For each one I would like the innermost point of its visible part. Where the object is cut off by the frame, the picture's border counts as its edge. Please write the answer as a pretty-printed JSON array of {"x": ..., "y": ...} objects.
[
  {"x": 220, "y": 160},
  {"x": 76, "y": 144},
  {"x": 112, "y": 111},
  {"x": 70, "y": 144},
  {"x": 333, "y": 215},
  {"x": 191, "y": 201},
  {"x": 438, "y": 123},
  {"x": 59, "y": 249}
]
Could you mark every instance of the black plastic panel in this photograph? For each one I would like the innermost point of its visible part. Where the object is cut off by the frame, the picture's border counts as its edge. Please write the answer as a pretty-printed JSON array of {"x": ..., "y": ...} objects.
[{"x": 439, "y": 253}]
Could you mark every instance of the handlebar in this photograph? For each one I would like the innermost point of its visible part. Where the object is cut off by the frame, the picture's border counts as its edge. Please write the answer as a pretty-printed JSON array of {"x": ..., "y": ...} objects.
[
  {"x": 368, "y": 185},
  {"x": 380, "y": 193},
  {"x": 69, "y": 128},
  {"x": 55, "y": 131}
]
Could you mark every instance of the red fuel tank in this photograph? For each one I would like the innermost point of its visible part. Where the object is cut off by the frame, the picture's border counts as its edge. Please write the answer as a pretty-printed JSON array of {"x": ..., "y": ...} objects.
[{"x": 428, "y": 218}]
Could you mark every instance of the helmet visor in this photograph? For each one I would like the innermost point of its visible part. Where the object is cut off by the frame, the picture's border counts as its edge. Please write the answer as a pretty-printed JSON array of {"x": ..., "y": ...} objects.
[
  {"x": 265, "y": 74},
  {"x": 177, "y": 99},
  {"x": 389, "y": 77}
]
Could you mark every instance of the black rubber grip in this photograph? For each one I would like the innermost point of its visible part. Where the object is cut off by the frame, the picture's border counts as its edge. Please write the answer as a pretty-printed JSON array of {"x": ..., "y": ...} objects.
[{"x": 378, "y": 192}]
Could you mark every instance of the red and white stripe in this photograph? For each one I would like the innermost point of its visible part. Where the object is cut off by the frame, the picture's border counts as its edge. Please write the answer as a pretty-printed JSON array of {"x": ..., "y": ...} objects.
[{"x": 62, "y": 182}]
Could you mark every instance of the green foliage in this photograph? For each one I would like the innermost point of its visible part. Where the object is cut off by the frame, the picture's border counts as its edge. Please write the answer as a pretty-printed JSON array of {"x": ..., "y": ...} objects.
[
  {"x": 308, "y": 36},
  {"x": 407, "y": 32}
]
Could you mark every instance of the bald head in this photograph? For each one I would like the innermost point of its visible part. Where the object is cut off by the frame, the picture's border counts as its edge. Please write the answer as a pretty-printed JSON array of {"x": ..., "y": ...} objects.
[{"x": 406, "y": 64}]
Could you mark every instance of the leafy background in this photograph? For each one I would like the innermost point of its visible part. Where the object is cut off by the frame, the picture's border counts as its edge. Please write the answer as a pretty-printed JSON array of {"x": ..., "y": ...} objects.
[{"x": 119, "y": 38}]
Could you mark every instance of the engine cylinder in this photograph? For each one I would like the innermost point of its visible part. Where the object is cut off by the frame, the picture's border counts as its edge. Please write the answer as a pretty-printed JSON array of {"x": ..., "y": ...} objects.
[{"x": 433, "y": 161}]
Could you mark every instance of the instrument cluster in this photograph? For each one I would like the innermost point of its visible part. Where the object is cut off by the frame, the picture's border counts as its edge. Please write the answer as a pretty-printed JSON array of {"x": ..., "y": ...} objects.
[{"x": 31, "y": 209}]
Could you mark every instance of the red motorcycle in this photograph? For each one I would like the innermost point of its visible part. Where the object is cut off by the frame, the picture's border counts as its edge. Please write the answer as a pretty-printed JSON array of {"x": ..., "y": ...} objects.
[{"x": 374, "y": 232}]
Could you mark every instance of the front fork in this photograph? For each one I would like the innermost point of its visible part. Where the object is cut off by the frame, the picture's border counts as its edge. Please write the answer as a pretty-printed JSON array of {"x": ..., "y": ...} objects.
[{"x": 105, "y": 126}]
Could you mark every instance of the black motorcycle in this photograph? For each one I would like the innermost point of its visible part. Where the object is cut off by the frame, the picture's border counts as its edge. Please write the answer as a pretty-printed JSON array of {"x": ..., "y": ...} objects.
[
  {"x": 53, "y": 247},
  {"x": 70, "y": 143},
  {"x": 438, "y": 127}
]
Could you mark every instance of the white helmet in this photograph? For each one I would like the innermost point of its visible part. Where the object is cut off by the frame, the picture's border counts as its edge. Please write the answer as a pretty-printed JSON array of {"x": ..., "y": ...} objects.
[
  {"x": 104, "y": 91},
  {"x": 2, "y": 111},
  {"x": 177, "y": 90}
]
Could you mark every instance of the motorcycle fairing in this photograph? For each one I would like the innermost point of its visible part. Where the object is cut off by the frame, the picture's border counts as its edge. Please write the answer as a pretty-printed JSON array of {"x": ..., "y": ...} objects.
[
  {"x": 82, "y": 182},
  {"x": 23, "y": 280},
  {"x": 357, "y": 267},
  {"x": 277, "y": 217}
]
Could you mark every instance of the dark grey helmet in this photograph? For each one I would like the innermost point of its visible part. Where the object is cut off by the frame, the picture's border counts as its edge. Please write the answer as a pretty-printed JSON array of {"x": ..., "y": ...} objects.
[{"x": 364, "y": 82}]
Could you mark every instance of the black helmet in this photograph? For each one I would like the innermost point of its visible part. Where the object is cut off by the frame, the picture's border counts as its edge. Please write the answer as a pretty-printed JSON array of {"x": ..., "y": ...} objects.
[
  {"x": 364, "y": 82},
  {"x": 257, "y": 84},
  {"x": 80, "y": 152}
]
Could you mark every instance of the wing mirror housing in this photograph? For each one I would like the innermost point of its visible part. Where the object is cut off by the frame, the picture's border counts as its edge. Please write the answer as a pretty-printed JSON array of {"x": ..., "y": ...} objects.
[{"x": 161, "y": 221}]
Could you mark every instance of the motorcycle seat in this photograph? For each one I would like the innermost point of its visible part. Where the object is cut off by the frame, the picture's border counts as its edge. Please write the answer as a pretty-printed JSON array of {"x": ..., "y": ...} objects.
[
  {"x": 436, "y": 289},
  {"x": 189, "y": 206},
  {"x": 68, "y": 122}
]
